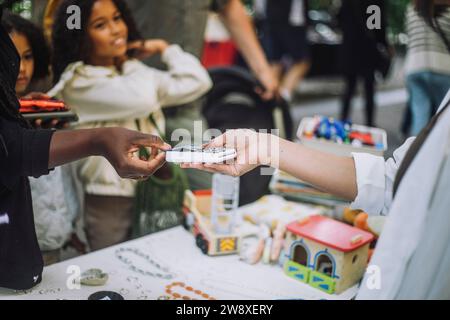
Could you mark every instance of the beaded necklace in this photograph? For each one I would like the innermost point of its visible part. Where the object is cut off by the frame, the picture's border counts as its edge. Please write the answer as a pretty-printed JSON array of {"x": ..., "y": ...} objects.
[
  {"x": 191, "y": 290},
  {"x": 164, "y": 271}
]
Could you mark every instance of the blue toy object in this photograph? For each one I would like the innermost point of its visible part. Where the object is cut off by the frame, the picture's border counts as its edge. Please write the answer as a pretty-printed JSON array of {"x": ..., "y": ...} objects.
[{"x": 340, "y": 132}]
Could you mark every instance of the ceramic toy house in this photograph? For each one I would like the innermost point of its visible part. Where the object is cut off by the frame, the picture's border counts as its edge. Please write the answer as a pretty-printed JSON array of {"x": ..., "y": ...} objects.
[
  {"x": 197, "y": 219},
  {"x": 326, "y": 254}
]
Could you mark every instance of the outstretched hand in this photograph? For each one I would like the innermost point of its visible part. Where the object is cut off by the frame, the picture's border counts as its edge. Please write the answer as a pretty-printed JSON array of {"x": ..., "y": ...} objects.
[
  {"x": 121, "y": 148},
  {"x": 118, "y": 145},
  {"x": 252, "y": 151},
  {"x": 270, "y": 85}
]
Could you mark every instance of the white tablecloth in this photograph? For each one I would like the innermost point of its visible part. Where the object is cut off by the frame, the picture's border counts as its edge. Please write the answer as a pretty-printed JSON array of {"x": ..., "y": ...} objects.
[{"x": 223, "y": 278}]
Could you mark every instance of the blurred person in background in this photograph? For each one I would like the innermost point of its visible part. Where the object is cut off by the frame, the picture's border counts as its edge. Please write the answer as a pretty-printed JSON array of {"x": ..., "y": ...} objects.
[
  {"x": 360, "y": 55},
  {"x": 427, "y": 64},
  {"x": 283, "y": 28}
]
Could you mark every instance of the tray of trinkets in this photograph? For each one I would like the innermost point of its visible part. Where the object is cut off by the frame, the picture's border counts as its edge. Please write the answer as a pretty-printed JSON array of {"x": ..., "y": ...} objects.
[{"x": 341, "y": 137}]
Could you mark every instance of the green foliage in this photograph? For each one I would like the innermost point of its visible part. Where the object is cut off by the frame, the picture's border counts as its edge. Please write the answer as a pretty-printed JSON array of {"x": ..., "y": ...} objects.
[
  {"x": 22, "y": 7},
  {"x": 396, "y": 15},
  {"x": 324, "y": 4}
]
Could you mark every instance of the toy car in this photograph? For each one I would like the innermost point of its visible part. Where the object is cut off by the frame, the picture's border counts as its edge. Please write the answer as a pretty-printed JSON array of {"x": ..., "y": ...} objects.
[{"x": 197, "y": 219}]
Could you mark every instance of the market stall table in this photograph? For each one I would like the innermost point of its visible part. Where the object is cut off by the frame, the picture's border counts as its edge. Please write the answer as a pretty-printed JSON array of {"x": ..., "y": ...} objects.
[{"x": 169, "y": 265}]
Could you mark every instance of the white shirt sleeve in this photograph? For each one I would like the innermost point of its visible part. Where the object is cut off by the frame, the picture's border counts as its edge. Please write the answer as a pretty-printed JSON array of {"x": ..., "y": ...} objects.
[
  {"x": 98, "y": 93},
  {"x": 186, "y": 79},
  {"x": 375, "y": 179},
  {"x": 52, "y": 217},
  {"x": 103, "y": 94}
]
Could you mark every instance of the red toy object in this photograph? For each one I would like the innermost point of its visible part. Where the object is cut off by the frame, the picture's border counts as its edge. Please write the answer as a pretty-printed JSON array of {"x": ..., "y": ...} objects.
[
  {"x": 219, "y": 54},
  {"x": 35, "y": 106},
  {"x": 46, "y": 110},
  {"x": 365, "y": 138},
  {"x": 204, "y": 193},
  {"x": 331, "y": 233}
]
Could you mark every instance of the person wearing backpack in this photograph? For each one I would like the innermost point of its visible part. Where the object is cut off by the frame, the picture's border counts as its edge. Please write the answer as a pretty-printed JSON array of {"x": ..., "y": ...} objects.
[{"x": 427, "y": 65}]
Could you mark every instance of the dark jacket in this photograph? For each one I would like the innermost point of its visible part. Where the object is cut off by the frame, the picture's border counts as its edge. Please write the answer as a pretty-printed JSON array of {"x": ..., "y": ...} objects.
[
  {"x": 358, "y": 54},
  {"x": 279, "y": 11},
  {"x": 23, "y": 152}
]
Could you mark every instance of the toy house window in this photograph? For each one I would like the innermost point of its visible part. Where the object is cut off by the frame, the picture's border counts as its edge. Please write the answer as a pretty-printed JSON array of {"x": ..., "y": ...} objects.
[
  {"x": 300, "y": 255},
  {"x": 325, "y": 265}
]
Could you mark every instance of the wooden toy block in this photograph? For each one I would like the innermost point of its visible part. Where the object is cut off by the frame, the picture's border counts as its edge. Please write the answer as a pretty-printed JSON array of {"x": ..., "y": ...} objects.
[
  {"x": 297, "y": 271},
  {"x": 322, "y": 282},
  {"x": 335, "y": 253}
]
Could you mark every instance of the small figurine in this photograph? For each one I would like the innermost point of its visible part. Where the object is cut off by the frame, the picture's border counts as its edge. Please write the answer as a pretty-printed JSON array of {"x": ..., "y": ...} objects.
[{"x": 365, "y": 138}]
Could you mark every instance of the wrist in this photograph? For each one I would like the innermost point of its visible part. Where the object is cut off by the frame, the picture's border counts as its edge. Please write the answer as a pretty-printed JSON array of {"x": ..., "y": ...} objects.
[
  {"x": 163, "y": 46},
  {"x": 262, "y": 69},
  {"x": 96, "y": 141},
  {"x": 268, "y": 150}
]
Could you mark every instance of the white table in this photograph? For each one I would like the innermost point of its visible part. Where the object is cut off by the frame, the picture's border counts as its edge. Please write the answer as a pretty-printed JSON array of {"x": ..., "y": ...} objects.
[{"x": 223, "y": 278}]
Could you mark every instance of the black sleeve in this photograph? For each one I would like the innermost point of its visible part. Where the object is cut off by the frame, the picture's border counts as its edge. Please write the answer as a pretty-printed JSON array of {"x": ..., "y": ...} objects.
[
  {"x": 307, "y": 7},
  {"x": 23, "y": 152},
  {"x": 218, "y": 5}
]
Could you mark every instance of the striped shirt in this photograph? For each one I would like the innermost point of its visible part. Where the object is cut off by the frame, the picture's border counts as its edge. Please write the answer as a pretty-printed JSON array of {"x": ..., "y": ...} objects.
[{"x": 427, "y": 50}]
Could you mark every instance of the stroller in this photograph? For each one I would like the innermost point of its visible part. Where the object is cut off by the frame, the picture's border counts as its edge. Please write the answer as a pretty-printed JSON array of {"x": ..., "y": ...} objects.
[{"x": 234, "y": 104}]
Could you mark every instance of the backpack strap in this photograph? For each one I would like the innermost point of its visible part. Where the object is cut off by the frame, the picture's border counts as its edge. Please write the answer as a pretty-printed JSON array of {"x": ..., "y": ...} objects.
[{"x": 415, "y": 148}]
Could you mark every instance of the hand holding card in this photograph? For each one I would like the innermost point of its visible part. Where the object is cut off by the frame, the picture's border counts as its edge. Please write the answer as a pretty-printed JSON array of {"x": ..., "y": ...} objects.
[{"x": 198, "y": 154}]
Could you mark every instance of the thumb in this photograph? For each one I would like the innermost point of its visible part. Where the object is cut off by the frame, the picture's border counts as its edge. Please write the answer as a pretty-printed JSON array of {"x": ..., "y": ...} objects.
[
  {"x": 218, "y": 142},
  {"x": 149, "y": 140}
]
